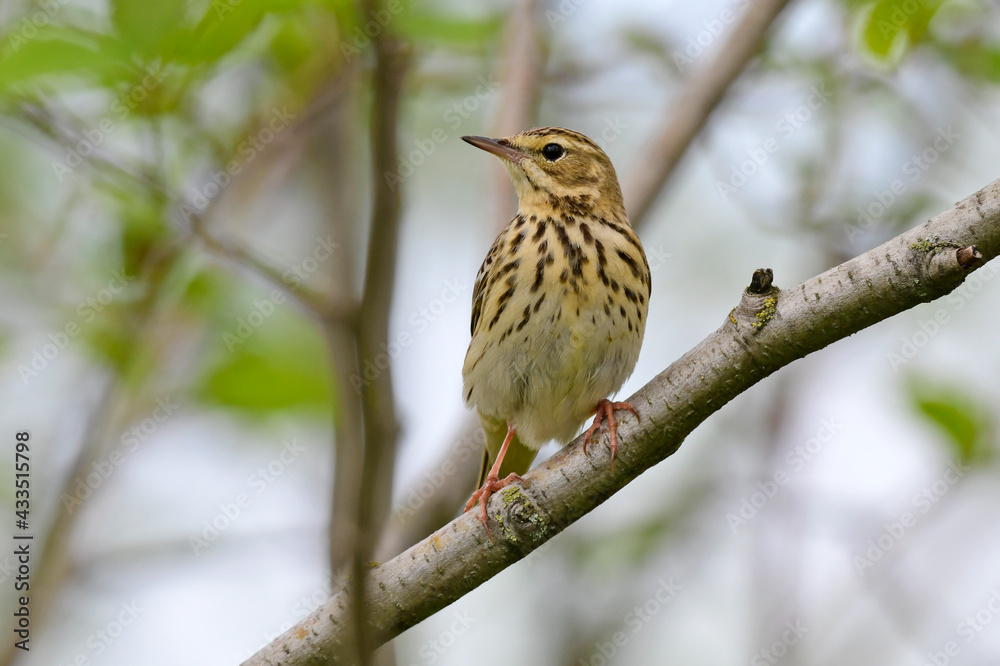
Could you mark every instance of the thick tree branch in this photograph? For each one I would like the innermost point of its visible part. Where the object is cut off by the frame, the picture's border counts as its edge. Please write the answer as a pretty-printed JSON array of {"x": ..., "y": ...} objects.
[
  {"x": 702, "y": 92},
  {"x": 765, "y": 332}
]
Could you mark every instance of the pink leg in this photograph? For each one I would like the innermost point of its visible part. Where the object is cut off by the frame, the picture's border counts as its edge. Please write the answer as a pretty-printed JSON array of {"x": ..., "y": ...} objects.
[{"x": 493, "y": 482}]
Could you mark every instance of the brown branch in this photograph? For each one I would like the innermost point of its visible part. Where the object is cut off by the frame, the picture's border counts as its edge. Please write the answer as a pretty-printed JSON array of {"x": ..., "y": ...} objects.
[
  {"x": 700, "y": 95},
  {"x": 377, "y": 404},
  {"x": 762, "y": 334}
]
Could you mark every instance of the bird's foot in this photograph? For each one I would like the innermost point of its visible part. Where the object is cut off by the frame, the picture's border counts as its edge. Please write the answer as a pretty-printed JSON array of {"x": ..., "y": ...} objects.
[
  {"x": 606, "y": 410},
  {"x": 492, "y": 484}
]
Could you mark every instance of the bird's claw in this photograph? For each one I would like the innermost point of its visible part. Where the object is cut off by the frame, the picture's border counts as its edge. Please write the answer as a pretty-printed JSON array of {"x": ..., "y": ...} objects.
[
  {"x": 481, "y": 496},
  {"x": 606, "y": 410}
]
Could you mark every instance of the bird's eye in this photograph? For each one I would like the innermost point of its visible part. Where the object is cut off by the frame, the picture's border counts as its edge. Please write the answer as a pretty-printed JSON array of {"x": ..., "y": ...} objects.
[{"x": 552, "y": 151}]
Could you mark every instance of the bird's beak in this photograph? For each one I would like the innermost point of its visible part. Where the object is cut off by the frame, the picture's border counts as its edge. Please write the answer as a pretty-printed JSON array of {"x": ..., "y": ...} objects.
[{"x": 498, "y": 147}]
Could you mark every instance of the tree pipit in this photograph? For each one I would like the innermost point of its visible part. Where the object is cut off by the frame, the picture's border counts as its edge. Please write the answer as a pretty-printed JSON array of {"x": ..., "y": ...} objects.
[{"x": 559, "y": 305}]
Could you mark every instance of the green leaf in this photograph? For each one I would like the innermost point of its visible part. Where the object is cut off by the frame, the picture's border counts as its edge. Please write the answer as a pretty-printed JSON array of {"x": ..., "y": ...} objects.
[
  {"x": 149, "y": 27},
  {"x": 275, "y": 364},
  {"x": 225, "y": 25},
  {"x": 963, "y": 419},
  {"x": 425, "y": 27},
  {"x": 57, "y": 50},
  {"x": 973, "y": 59},
  {"x": 892, "y": 27}
]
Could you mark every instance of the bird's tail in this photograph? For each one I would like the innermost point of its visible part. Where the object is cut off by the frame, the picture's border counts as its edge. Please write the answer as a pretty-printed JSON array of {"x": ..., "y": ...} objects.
[{"x": 518, "y": 458}]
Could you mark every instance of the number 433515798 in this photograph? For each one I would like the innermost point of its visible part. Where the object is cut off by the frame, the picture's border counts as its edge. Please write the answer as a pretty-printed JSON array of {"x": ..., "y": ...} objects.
[{"x": 22, "y": 469}]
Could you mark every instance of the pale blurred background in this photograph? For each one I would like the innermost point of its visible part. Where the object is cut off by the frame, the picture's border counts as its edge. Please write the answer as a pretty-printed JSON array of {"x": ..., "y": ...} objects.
[{"x": 190, "y": 394}]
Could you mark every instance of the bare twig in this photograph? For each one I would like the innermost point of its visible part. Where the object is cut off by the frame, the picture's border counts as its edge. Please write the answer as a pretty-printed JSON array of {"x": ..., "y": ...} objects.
[
  {"x": 107, "y": 166},
  {"x": 700, "y": 95},
  {"x": 335, "y": 146},
  {"x": 761, "y": 335},
  {"x": 377, "y": 403}
]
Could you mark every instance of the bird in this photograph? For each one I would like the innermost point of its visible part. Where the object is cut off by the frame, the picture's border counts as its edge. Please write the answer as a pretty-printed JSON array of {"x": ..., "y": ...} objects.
[{"x": 558, "y": 307}]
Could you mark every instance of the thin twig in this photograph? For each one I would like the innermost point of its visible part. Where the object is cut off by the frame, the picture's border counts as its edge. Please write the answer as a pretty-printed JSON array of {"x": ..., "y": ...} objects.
[
  {"x": 377, "y": 403},
  {"x": 105, "y": 165},
  {"x": 700, "y": 95}
]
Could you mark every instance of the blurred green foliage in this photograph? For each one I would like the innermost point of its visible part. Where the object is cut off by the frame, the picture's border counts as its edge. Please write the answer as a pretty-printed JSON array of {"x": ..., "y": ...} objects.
[
  {"x": 147, "y": 69},
  {"x": 271, "y": 367},
  {"x": 887, "y": 30},
  {"x": 962, "y": 417}
]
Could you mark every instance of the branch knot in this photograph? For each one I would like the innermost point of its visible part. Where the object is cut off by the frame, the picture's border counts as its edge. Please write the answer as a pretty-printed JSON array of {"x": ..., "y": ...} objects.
[{"x": 520, "y": 521}]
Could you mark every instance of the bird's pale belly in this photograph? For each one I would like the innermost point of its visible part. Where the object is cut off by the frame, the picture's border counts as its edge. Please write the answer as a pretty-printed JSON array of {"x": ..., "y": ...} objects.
[{"x": 547, "y": 378}]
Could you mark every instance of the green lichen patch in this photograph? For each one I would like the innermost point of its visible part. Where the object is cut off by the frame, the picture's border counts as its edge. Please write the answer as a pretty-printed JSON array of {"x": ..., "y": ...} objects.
[
  {"x": 766, "y": 313},
  {"x": 926, "y": 244},
  {"x": 526, "y": 513},
  {"x": 513, "y": 494}
]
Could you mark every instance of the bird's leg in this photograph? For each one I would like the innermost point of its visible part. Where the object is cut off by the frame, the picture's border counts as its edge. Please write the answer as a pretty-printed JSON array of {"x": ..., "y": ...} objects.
[
  {"x": 493, "y": 482},
  {"x": 606, "y": 409}
]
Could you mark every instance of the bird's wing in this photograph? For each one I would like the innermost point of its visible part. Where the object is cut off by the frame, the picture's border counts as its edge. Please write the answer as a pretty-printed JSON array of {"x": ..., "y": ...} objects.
[{"x": 482, "y": 278}]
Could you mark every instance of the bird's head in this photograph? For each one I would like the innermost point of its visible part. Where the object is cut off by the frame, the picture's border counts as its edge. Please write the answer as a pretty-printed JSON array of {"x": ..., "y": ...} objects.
[{"x": 551, "y": 164}]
